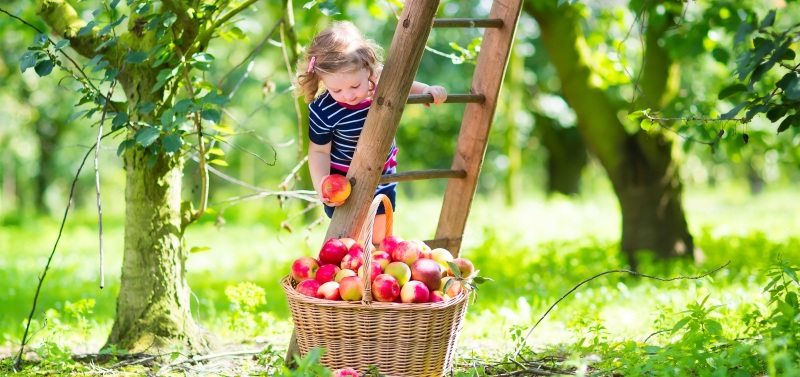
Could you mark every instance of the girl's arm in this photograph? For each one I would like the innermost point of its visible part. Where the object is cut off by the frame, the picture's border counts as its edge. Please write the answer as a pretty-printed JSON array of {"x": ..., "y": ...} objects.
[
  {"x": 439, "y": 93},
  {"x": 319, "y": 165}
]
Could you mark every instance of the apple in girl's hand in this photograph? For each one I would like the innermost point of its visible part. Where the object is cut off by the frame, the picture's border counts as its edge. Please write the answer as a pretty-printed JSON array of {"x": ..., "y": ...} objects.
[
  {"x": 335, "y": 188},
  {"x": 329, "y": 291},
  {"x": 332, "y": 251},
  {"x": 351, "y": 288},
  {"x": 326, "y": 273},
  {"x": 308, "y": 287},
  {"x": 304, "y": 268}
]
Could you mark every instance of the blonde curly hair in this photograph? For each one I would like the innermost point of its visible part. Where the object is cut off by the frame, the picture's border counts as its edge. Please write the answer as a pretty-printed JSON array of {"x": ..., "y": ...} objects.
[{"x": 340, "y": 48}]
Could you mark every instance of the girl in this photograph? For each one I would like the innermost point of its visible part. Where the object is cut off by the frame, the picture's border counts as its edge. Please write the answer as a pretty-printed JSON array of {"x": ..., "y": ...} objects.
[{"x": 348, "y": 66}]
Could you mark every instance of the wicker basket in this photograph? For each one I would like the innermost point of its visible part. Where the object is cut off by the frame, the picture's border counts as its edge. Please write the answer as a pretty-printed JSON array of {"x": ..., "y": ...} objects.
[{"x": 400, "y": 340}]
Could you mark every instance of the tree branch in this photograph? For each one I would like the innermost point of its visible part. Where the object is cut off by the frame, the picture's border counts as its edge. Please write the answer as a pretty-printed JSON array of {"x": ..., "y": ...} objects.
[
  {"x": 206, "y": 35},
  {"x": 65, "y": 22}
]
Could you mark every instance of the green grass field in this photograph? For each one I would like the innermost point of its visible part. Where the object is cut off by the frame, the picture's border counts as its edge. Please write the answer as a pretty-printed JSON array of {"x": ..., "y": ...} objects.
[{"x": 535, "y": 252}]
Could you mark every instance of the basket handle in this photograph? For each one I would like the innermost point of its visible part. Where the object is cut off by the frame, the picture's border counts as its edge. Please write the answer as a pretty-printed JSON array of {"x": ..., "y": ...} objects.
[{"x": 366, "y": 232}]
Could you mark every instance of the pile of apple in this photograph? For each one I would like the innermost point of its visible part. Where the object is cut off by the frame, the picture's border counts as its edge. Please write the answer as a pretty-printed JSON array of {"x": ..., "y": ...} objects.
[{"x": 401, "y": 270}]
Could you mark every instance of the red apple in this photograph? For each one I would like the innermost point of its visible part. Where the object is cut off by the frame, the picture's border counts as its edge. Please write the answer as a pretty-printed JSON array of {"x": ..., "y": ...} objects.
[
  {"x": 308, "y": 287},
  {"x": 375, "y": 270},
  {"x": 332, "y": 251},
  {"x": 464, "y": 266},
  {"x": 438, "y": 296},
  {"x": 347, "y": 241},
  {"x": 381, "y": 257},
  {"x": 353, "y": 260},
  {"x": 304, "y": 268},
  {"x": 385, "y": 288},
  {"x": 326, "y": 273},
  {"x": 407, "y": 251},
  {"x": 351, "y": 288},
  {"x": 335, "y": 188},
  {"x": 413, "y": 292},
  {"x": 343, "y": 274},
  {"x": 389, "y": 243},
  {"x": 346, "y": 372},
  {"x": 428, "y": 272},
  {"x": 400, "y": 271},
  {"x": 329, "y": 291}
]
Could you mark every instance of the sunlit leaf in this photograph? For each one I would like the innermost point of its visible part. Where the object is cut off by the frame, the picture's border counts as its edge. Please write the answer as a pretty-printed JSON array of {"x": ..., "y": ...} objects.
[
  {"x": 171, "y": 143},
  {"x": 218, "y": 162},
  {"x": 199, "y": 249},
  {"x": 731, "y": 90}
]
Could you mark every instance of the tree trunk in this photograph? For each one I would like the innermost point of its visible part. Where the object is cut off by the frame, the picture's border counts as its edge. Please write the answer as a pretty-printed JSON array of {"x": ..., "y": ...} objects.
[
  {"x": 640, "y": 166},
  {"x": 566, "y": 156},
  {"x": 515, "y": 94},
  {"x": 154, "y": 298}
]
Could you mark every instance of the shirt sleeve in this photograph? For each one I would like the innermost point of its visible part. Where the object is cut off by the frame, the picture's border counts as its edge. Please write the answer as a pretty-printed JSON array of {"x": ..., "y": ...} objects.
[{"x": 320, "y": 131}]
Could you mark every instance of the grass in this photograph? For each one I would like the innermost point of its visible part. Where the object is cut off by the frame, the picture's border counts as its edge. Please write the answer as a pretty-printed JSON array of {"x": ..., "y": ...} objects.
[{"x": 535, "y": 252}]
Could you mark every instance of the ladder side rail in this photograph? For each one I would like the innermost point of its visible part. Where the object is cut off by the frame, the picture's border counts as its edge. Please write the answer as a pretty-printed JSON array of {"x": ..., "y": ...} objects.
[
  {"x": 476, "y": 124},
  {"x": 383, "y": 118}
]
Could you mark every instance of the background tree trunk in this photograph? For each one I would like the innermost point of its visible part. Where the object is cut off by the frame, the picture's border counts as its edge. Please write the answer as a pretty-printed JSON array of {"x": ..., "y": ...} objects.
[
  {"x": 566, "y": 156},
  {"x": 153, "y": 302},
  {"x": 641, "y": 167}
]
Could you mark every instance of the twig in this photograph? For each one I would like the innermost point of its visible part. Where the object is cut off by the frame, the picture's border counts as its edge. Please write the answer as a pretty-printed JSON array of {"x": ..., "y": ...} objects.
[
  {"x": 610, "y": 272},
  {"x": 18, "y": 358}
]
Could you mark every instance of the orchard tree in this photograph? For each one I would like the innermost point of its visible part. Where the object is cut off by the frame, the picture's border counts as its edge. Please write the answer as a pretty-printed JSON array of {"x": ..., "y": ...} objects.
[{"x": 156, "y": 53}]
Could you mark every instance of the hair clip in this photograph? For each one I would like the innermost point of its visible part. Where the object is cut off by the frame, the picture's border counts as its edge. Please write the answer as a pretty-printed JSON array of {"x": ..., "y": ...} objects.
[{"x": 311, "y": 64}]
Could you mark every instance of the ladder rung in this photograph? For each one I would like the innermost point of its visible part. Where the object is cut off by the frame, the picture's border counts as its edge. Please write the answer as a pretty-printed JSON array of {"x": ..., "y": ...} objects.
[
  {"x": 468, "y": 22},
  {"x": 423, "y": 174},
  {"x": 451, "y": 98},
  {"x": 441, "y": 242}
]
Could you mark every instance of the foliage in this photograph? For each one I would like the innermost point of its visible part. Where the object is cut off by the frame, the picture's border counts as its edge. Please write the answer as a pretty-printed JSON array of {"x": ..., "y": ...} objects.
[{"x": 245, "y": 315}]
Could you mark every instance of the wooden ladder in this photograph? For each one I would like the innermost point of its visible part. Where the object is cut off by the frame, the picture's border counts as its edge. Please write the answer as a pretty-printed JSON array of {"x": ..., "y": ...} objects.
[{"x": 402, "y": 63}]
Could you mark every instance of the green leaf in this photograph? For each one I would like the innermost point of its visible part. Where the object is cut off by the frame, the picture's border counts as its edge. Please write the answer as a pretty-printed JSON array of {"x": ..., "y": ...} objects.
[
  {"x": 788, "y": 270},
  {"x": 756, "y": 110},
  {"x": 119, "y": 120},
  {"x": 212, "y": 115},
  {"x": 731, "y": 90},
  {"x": 789, "y": 55},
  {"x": 791, "y": 299},
  {"x": 218, "y": 162},
  {"x": 734, "y": 111},
  {"x": 769, "y": 20},
  {"x": 168, "y": 19},
  {"x": 480, "y": 279},
  {"x": 146, "y": 107},
  {"x": 776, "y": 113},
  {"x": 679, "y": 325},
  {"x": 125, "y": 144},
  {"x": 136, "y": 57},
  {"x": 646, "y": 124},
  {"x": 786, "y": 123},
  {"x": 792, "y": 90},
  {"x": 212, "y": 98},
  {"x": 167, "y": 118},
  {"x": 182, "y": 105},
  {"x": 328, "y": 8},
  {"x": 161, "y": 79},
  {"x": 199, "y": 249},
  {"x": 28, "y": 60},
  {"x": 44, "y": 67},
  {"x": 62, "y": 44},
  {"x": 76, "y": 115},
  {"x": 223, "y": 129},
  {"x": 41, "y": 40},
  {"x": 636, "y": 115},
  {"x": 454, "y": 269},
  {"x": 87, "y": 28},
  {"x": 713, "y": 327},
  {"x": 94, "y": 60},
  {"x": 216, "y": 151},
  {"x": 172, "y": 143},
  {"x": 147, "y": 136}
]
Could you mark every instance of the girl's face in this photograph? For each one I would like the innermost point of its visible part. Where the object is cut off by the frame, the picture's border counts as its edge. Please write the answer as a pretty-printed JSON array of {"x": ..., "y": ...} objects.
[{"x": 350, "y": 88}]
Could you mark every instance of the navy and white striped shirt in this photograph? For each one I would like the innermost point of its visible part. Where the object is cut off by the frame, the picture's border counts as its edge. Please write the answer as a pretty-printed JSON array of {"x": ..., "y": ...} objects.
[{"x": 341, "y": 124}]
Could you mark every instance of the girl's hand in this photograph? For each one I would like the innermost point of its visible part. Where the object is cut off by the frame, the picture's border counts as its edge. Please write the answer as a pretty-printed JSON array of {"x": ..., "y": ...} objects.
[{"x": 439, "y": 94}]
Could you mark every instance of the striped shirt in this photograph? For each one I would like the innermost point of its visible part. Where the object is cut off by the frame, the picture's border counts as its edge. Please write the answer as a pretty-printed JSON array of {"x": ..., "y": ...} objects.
[{"x": 341, "y": 124}]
